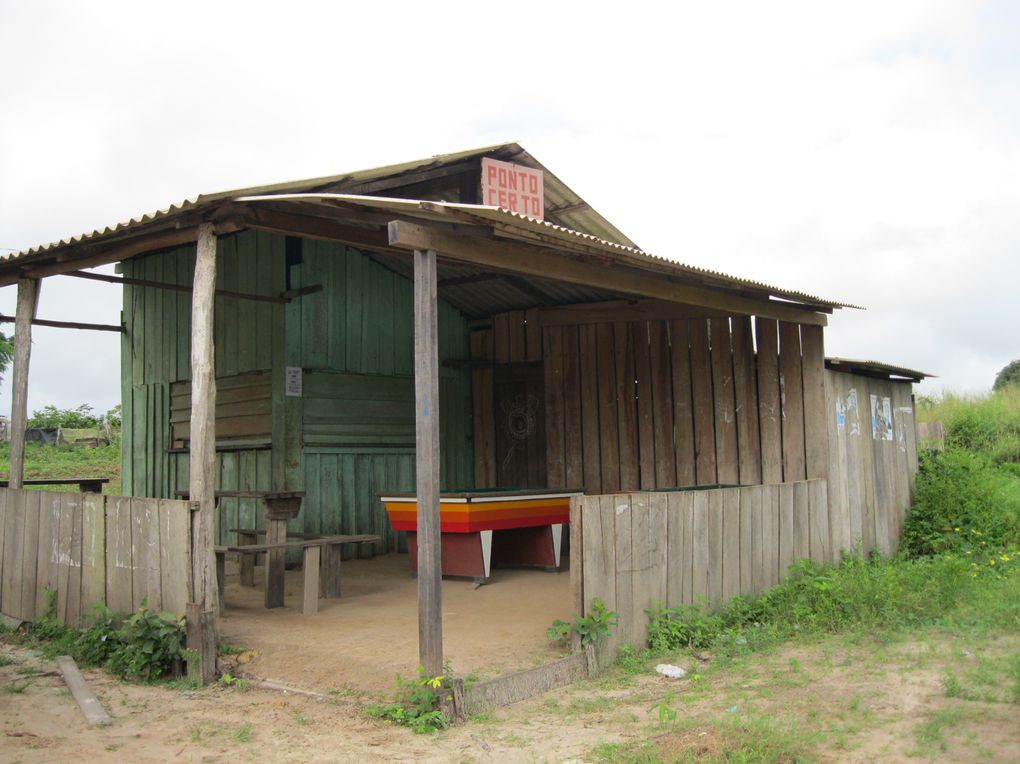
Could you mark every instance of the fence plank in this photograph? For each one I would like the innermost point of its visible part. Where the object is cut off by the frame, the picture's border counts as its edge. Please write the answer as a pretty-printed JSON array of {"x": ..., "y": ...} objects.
[
  {"x": 555, "y": 467},
  {"x": 715, "y": 546},
  {"x": 770, "y": 535},
  {"x": 821, "y": 543},
  {"x": 93, "y": 552},
  {"x": 590, "y": 410},
  {"x": 48, "y": 557},
  {"x": 678, "y": 547},
  {"x": 683, "y": 411},
  {"x": 787, "y": 547},
  {"x": 699, "y": 546},
  {"x": 801, "y": 521},
  {"x": 599, "y": 562},
  {"x": 645, "y": 408},
  {"x": 608, "y": 418},
  {"x": 731, "y": 543},
  {"x": 642, "y": 577},
  {"x": 816, "y": 442},
  {"x": 14, "y": 535},
  {"x": 839, "y": 511},
  {"x": 74, "y": 610},
  {"x": 626, "y": 408},
  {"x": 622, "y": 520},
  {"x": 118, "y": 554},
  {"x": 606, "y": 529},
  {"x": 769, "y": 404},
  {"x": 791, "y": 384},
  {"x": 175, "y": 554},
  {"x": 572, "y": 436},
  {"x": 3, "y": 542},
  {"x": 31, "y": 543},
  {"x": 658, "y": 527}
]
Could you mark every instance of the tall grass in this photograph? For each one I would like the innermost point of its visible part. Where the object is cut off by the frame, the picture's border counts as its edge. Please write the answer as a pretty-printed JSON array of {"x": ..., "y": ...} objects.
[{"x": 988, "y": 424}]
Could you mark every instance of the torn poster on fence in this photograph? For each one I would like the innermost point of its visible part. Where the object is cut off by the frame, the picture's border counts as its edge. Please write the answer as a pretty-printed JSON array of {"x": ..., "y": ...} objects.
[{"x": 881, "y": 418}]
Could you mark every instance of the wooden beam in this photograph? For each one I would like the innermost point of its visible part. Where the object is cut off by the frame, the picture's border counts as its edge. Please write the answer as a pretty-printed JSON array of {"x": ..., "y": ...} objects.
[
  {"x": 426, "y": 385},
  {"x": 173, "y": 287},
  {"x": 599, "y": 272},
  {"x": 313, "y": 227},
  {"x": 28, "y": 300},
  {"x": 204, "y": 605},
  {"x": 89, "y": 704},
  {"x": 622, "y": 310},
  {"x": 66, "y": 324}
]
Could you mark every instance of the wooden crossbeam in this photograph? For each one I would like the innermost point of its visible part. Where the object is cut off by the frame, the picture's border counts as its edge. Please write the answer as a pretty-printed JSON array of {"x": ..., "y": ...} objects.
[
  {"x": 66, "y": 324},
  {"x": 282, "y": 299}
]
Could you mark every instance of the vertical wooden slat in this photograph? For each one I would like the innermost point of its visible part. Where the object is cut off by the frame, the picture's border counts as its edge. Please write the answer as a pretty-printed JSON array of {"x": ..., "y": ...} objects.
[
  {"x": 791, "y": 384},
  {"x": 658, "y": 555},
  {"x": 646, "y": 431},
  {"x": 865, "y": 465},
  {"x": 427, "y": 459},
  {"x": 589, "y": 410},
  {"x": 746, "y": 391},
  {"x": 622, "y": 520},
  {"x": 74, "y": 577},
  {"x": 816, "y": 442},
  {"x": 839, "y": 509},
  {"x": 769, "y": 406},
  {"x": 683, "y": 406},
  {"x": 801, "y": 521},
  {"x": 600, "y": 544},
  {"x": 770, "y": 535},
  {"x": 484, "y": 422},
  {"x": 518, "y": 337},
  {"x": 572, "y": 433},
  {"x": 731, "y": 561},
  {"x": 579, "y": 512},
  {"x": 93, "y": 552},
  {"x": 556, "y": 466},
  {"x": 716, "y": 547},
  {"x": 748, "y": 542},
  {"x": 641, "y": 563},
  {"x": 501, "y": 337},
  {"x": 700, "y": 509},
  {"x": 626, "y": 407},
  {"x": 662, "y": 403},
  {"x": 608, "y": 418},
  {"x": 787, "y": 545},
  {"x": 118, "y": 554},
  {"x": 724, "y": 402},
  {"x": 704, "y": 415},
  {"x": 31, "y": 552},
  {"x": 533, "y": 329},
  {"x": 821, "y": 544},
  {"x": 174, "y": 555},
  {"x": 680, "y": 506},
  {"x": 48, "y": 555},
  {"x": 28, "y": 299},
  {"x": 14, "y": 548}
]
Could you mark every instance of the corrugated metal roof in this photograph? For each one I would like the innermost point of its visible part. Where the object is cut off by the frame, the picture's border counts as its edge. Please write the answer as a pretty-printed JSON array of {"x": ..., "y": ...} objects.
[
  {"x": 854, "y": 365},
  {"x": 540, "y": 231},
  {"x": 558, "y": 196}
]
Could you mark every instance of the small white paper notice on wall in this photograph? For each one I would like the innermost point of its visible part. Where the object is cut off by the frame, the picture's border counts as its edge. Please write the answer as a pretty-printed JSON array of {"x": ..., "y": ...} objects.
[{"x": 294, "y": 381}]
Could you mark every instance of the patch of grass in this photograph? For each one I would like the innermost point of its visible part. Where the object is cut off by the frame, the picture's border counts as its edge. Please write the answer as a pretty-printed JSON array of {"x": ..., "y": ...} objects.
[
  {"x": 243, "y": 734},
  {"x": 16, "y": 688},
  {"x": 6, "y": 660},
  {"x": 228, "y": 649},
  {"x": 43, "y": 461},
  {"x": 930, "y": 734}
]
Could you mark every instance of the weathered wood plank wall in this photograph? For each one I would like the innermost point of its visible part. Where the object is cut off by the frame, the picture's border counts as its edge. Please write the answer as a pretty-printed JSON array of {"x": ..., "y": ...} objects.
[
  {"x": 681, "y": 547},
  {"x": 872, "y": 459},
  {"x": 656, "y": 404},
  {"x": 89, "y": 548},
  {"x": 345, "y": 439}
]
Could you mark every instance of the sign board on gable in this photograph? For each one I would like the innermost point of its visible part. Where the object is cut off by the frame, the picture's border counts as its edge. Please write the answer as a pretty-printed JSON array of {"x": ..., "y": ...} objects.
[{"x": 513, "y": 187}]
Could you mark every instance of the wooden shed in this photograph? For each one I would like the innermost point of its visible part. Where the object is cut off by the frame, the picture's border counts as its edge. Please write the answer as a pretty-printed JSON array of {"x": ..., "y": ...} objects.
[{"x": 565, "y": 357}]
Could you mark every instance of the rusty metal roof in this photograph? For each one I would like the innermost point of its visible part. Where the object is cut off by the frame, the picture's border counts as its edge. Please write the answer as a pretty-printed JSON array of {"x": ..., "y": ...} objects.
[{"x": 875, "y": 368}]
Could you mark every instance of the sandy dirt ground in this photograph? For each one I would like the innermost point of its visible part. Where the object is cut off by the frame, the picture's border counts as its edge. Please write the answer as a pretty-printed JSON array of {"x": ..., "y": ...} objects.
[
  {"x": 834, "y": 700},
  {"x": 361, "y": 640}
]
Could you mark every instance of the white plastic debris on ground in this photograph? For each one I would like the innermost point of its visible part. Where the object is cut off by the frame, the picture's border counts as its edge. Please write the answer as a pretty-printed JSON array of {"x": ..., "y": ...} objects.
[{"x": 668, "y": 669}]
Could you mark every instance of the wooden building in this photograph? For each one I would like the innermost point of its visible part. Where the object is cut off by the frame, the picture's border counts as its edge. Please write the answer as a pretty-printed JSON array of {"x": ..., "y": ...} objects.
[{"x": 567, "y": 357}]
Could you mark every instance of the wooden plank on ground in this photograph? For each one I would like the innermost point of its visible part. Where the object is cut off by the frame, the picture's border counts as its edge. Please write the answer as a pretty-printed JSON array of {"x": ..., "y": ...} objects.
[
  {"x": 608, "y": 418},
  {"x": 821, "y": 543},
  {"x": 683, "y": 404},
  {"x": 724, "y": 402},
  {"x": 643, "y": 381},
  {"x": 770, "y": 412},
  {"x": 591, "y": 452},
  {"x": 89, "y": 704},
  {"x": 801, "y": 521},
  {"x": 626, "y": 407},
  {"x": 93, "y": 551},
  {"x": 699, "y": 546},
  {"x": 704, "y": 415},
  {"x": 745, "y": 386},
  {"x": 555, "y": 467},
  {"x": 513, "y": 688},
  {"x": 816, "y": 441},
  {"x": 731, "y": 543},
  {"x": 791, "y": 383},
  {"x": 662, "y": 404},
  {"x": 572, "y": 435},
  {"x": 787, "y": 544}
]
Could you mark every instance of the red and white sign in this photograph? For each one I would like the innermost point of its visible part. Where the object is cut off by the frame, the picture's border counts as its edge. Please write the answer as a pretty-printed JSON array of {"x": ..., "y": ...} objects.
[{"x": 513, "y": 187}]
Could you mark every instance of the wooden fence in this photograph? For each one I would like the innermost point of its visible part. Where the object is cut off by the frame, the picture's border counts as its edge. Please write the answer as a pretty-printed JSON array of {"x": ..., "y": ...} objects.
[
  {"x": 677, "y": 547},
  {"x": 90, "y": 548}
]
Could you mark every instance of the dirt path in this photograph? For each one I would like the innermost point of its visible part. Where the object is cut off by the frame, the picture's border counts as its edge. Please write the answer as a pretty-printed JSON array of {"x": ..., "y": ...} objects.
[{"x": 834, "y": 700}]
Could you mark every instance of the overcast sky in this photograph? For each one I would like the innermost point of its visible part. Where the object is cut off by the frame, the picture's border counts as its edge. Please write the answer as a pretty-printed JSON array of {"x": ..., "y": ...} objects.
[{"x": 867, "y": 152}]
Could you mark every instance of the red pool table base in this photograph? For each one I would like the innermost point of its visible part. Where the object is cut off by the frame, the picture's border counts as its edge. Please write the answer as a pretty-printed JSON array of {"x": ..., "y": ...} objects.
[{"x": 473, "y": 555}]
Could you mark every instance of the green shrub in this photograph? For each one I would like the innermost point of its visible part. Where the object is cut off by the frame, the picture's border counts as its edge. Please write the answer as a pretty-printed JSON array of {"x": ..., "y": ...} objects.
[
  {"x": 416, "y": 704},
  {"x": 153, "y": 646},
  {"x": 590, "y": 628},
  {"x": 963, "y": 504}
]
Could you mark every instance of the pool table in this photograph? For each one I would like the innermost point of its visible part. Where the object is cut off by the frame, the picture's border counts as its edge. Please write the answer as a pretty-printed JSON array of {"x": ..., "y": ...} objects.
[{"x": 482, "y": 528}]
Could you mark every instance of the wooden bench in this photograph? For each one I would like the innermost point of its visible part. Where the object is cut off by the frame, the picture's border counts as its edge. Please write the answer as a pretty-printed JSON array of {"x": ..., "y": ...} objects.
[
  {"x": 85, "y": 484},
  {"x": 321, "y": 566}
]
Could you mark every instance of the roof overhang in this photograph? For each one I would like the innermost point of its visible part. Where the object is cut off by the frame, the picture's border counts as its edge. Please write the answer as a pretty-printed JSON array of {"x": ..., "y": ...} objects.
[{"x": 876, "y": 369}]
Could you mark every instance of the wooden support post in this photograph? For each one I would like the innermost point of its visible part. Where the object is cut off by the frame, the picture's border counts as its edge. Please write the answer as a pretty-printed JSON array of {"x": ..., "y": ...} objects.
[
  {"x": 426, "y": 387},
  {"x": 204, "y": 606},
  {"x": 276, "y": 559},
  {"x": 310, "y": 594},
  {"x": 28, "y": 299}
]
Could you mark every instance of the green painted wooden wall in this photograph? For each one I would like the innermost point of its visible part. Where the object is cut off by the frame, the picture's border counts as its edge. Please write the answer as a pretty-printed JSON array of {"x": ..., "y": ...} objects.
[{"x": 357, "y": 330}]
